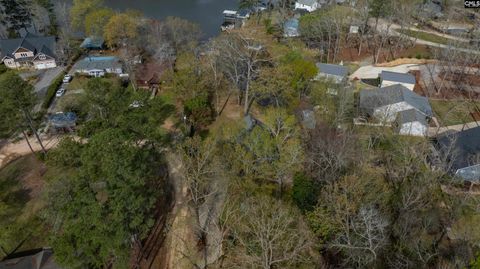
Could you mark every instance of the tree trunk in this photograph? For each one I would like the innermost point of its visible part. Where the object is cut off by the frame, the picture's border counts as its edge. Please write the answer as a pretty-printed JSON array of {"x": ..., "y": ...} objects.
[
  {"x": 28, "y": 142},
  {"x": 247, "y": 89},
  {"x": 30, "y": 124}
]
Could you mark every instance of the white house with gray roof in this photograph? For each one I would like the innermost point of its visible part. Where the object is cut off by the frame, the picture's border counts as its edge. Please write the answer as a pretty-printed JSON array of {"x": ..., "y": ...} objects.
[
  {"x": 30, "y": 51},
  {"x": 337, "y": 73},
  {"x": 399, "y": 106},
  {"x": 308, "y": 5},
  {"x": 388, "y": 78},
  {"x": 98, "y": 66}
]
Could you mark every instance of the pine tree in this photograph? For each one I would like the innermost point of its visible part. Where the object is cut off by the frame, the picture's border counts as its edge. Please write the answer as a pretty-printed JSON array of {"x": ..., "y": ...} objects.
[{"x": 16, "y": 14}]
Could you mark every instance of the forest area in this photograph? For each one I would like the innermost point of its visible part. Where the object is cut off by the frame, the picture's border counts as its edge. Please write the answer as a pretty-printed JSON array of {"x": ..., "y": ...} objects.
[{"x": 243, "y": 157}]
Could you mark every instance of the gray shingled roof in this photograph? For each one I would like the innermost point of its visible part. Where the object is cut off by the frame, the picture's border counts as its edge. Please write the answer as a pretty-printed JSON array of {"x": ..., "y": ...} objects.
[
  {"x": 34, "y": 259},
  {"x": 411, "y": 115},
  {"x": 332, "y": 69},
  {"x": 398, "y": 77},
  {"x": 372, "y": 99},
  {"x": 44, "y": 44},
  {"x": 461, "y": 146}
]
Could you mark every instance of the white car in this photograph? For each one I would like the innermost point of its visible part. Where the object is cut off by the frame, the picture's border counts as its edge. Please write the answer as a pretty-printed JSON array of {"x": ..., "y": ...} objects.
[
  {"x": 60, "y": 92},
  {"x": 67, "y": 78}
]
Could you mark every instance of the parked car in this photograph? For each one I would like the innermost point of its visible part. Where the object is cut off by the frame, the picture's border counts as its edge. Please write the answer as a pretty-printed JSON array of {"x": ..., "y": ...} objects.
[
  {"x": 67, "y": 78},
  {"x": 60, "y": 92}
]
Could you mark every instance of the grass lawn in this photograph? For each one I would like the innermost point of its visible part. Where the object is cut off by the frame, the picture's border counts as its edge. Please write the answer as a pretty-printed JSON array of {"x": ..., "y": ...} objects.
[
  {"x": 78, "y": 82},
  {"x": 453, "y": 112},
  {"x": 21, "y": 184},
  {"x": 426, "y": 36}
]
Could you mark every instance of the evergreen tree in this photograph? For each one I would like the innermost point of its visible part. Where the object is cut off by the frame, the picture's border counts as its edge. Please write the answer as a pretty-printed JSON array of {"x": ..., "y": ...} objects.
[{"x": 16, "y": 14}]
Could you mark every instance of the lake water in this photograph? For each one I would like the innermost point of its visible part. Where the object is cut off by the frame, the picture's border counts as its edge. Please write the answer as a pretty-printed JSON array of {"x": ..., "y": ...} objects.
[{"x": 207, "y": 13}]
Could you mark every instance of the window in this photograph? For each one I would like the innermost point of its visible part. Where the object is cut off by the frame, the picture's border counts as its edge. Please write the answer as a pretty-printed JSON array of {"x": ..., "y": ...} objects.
[
  {"x": 42, "y": 57},
  {"x": 23, "y": 54}
]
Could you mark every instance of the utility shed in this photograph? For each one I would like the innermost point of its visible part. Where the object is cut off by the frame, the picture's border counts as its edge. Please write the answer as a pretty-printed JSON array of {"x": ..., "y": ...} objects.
[
  {"x": 388, "y": 78},
  {"x": 384, "y": 103}
]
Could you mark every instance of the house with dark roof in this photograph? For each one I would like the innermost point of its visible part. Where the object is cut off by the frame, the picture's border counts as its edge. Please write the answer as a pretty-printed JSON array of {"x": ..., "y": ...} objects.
[
  {"x": 98, "y": 66},
  {"x": 461, "y": 150},
  {"x": 149, "y": 75},
  {"x": 337, "y": 73},
  {"x": 397, "y": 105},
  {"x": 31, "y": 259},
  {"x": 30, "y": 51},
  {"x": 388, "y": 78}
]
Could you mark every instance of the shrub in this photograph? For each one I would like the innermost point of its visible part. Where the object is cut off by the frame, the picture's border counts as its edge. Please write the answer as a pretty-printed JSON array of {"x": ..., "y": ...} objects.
[
  {"x": 52, "y": 89},
  {"x": 304, "y": 192}
]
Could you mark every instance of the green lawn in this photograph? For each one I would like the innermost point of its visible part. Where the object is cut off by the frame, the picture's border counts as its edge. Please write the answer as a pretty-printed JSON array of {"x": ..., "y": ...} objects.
[
  {"x": 453, "y": 112},
  {"x": 426, "y": 36}
]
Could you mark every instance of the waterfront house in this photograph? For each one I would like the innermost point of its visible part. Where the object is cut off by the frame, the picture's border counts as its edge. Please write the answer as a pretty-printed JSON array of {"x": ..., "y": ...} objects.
[
  {"x": 388, "y": 78},
  {"x": 334, "y": 72},
  {"x": 30, "y": 51},
  {"x": 98, "y": 66},
  {"x": 308, "y": 5}
]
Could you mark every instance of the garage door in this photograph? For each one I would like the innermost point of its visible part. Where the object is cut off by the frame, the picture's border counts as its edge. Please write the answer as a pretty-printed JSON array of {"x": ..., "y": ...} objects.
[
  {"x": 40, "y": 66},
  {"x": 51, "y": 65}
]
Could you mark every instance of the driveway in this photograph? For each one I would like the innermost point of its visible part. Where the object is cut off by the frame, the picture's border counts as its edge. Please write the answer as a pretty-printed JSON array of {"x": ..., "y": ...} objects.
[
  {"x": 372, "y": 72},
  {"x": 46, "y": 79}
]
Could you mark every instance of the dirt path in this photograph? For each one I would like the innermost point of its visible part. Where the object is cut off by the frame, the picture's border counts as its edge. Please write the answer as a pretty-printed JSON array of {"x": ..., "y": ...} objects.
[{"x": 14, "y": 150}]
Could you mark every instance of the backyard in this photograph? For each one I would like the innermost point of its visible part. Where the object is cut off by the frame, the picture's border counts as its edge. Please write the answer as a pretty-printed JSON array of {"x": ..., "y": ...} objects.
[{"x": 454, "y": 112}]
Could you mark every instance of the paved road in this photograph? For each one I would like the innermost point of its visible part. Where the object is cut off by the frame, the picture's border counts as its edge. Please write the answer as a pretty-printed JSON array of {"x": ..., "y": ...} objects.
[
  {"x": 392, "y": 29},
  {"x": 46, "y": 79}
]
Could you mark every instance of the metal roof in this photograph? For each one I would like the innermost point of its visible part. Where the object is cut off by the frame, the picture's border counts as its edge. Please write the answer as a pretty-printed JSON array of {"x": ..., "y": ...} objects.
[
  {"x": 332, "y": 69},
  {"x": 100, "y": 63},
  {"x": 93, "y": 43},
  {"x": 372, "y": 99},
  {"x": 398, "y": 77}
]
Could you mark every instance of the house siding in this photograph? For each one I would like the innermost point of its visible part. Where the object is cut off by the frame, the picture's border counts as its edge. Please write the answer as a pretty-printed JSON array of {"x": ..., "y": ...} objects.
[
  {"x": 413, "y": 128},
  {"x": 388, "y": 113}
]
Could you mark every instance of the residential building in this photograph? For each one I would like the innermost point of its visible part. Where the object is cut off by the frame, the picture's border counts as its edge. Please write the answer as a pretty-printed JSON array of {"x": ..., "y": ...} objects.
[
  {"x": 411, "y": 122},
  {"x": 290, "y": 28},
  {"x": 388, "y": 78},
  {"x": 308, "y": 5},
  {"x": 98, "y": 66},
  {"x": 397, "y": 105},
  {"x": 461, "y": 151},
  {"x": 30, "y": 51},
  {"x": 32, "y": 259},
  {"x": 93, "y": 43},
  {"x": 149, "y": 75},
  {"x": 337, "y": 73}
]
